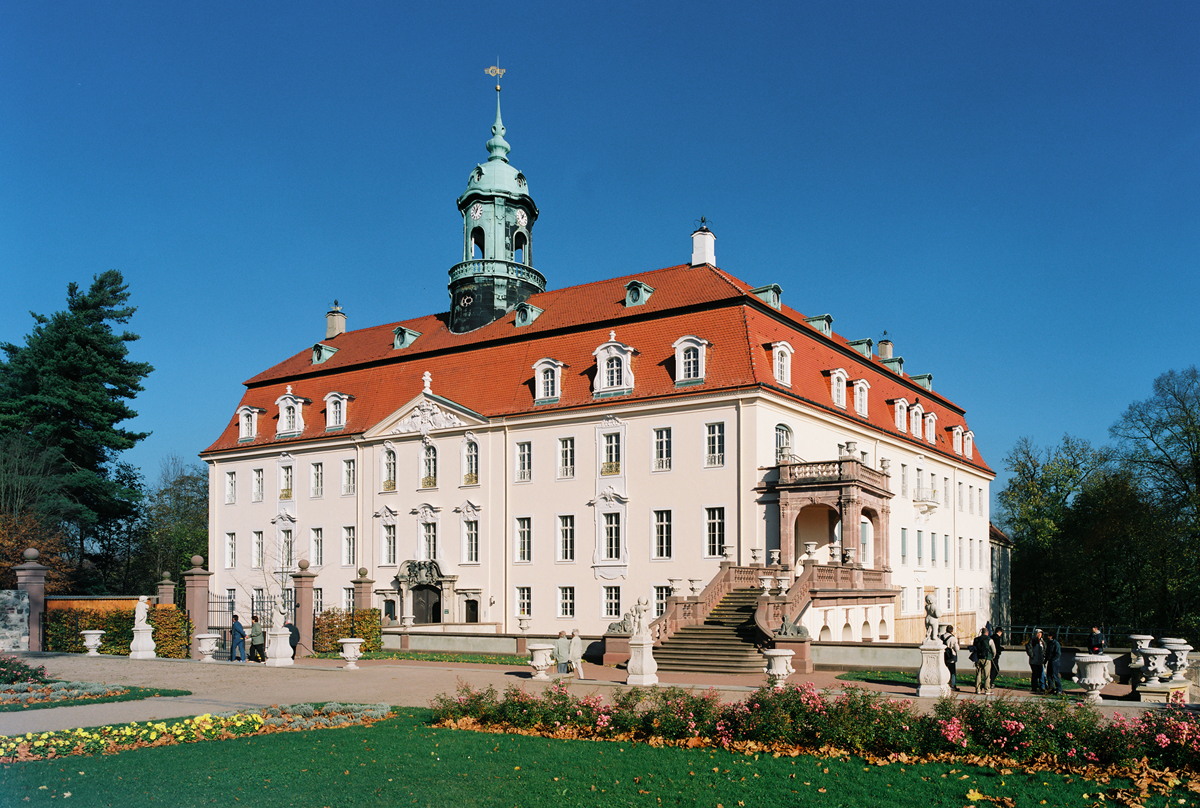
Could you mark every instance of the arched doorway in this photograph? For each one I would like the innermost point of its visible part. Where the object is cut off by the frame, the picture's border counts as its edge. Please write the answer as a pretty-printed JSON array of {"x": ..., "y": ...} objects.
[
  {"x": 816, "y": 523},
  {"x": 427, "y": 604}
]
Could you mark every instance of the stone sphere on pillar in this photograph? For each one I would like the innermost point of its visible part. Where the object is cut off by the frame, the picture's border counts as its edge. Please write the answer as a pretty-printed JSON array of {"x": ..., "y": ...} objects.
[
  {"x": 303, "y": 564},
  {"x": 31, "y": 554},
  {"x": 362, "y": 572},
  {"x": 197, "y": 561}
]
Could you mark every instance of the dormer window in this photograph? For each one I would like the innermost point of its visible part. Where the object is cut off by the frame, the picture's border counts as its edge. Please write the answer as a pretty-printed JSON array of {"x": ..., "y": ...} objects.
[
  {"x": 771, "y": 294},
  {"x": 956, "y": 434},
  {"x": 901, "y": 414},
  {"x": 403, "y": 337},
  {"x": 861, "y": 388},
  {"x": 781, "y": 361},
  {"x": 337, "y": 407},
  {"x": 637, "y": 293},
  {"x": 837, "y": 385},
  {"x": 248, "y": 422},
  {"x": 969, "y": 444},
  {"x": 690, "y": 355},
  {"x": 547, "y": 381},
  {"x": 930, "y": 426},
  {"x": 291, "y": 414},
  {"x": 915, "y": 413},
  {"x": 614, "y": 368},
  {"x": 322, "y": 352},
  {"x": 526, "y": 313}
]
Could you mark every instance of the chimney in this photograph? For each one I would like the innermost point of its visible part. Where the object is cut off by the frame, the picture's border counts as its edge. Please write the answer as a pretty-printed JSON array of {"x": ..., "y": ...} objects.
[
  {"x": 885, "y": 349},
  {"x": 704, "y": 246},
  {"x": 335, "y": 321}
]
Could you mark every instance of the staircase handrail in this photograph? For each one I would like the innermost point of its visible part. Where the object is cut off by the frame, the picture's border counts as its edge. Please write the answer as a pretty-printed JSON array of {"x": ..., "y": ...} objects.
[
  {"x": 772, "y": 611},
  {"x": 683, "y": 611}
]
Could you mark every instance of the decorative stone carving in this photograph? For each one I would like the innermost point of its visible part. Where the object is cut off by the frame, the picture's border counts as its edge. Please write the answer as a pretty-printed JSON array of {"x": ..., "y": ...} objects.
[
  {"x": 420, "y": 572},
  {"x": 610, "y": 421},
  {"x": 208, "y": 646},
  {"x": 351, "y": 652},
  {"x": 539, "y": 660},
  {"x": 676, "y": 586},
  {"x": 1093, "y": 674},
  {"x": 755, "y": 556},
  {"x": 696, "y": 586},
  {"x": 523, "y": 623},
  {"x": 932, "y": 613},
  {"x": 775, "y": 557},
  {"x": 91, "y": 641},
  {"x": 426, "y": 417},
  {"x": 142, "y": 646},
  {"x": 792, "y": 630},
  {"x": 764, "y": 582},
  {"x": 934, "y": 677},
  {"x": 1178, "y": 661},
  {"x": 1154, "y": 667},
  {"x": 279, "y": 647},
  {"x": 779, "y": 667},
  {"x": 622, "y": 626},
  {"x": 642, "y": 668}
]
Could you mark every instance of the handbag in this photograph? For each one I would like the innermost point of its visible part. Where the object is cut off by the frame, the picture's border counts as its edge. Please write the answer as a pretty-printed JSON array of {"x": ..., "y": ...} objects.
[{"x": 570, "y": 666}]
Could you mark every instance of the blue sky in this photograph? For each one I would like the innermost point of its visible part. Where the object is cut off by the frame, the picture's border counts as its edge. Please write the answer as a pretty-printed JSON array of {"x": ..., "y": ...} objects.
[{"x": 1010, "y": 190}]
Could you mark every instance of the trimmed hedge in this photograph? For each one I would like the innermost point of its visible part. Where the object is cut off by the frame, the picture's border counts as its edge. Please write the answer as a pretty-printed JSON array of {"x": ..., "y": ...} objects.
[
  {"x": 172, "y": 630},
  {"x": 332, "y": 625}
]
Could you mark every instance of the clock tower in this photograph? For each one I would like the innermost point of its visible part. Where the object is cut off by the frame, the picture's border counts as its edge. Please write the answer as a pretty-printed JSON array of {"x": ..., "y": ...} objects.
[{"x": 496, "y": 272}]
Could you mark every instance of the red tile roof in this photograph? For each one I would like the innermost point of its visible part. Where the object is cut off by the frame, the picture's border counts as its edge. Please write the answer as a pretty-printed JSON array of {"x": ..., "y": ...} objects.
[{"x": 490, "y": 370}]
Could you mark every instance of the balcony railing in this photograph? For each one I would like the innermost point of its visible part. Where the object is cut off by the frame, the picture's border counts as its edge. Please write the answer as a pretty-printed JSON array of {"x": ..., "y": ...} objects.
[
  {"x": 925, "y": 495},
  {"x": 715, "y": 459},
  {"x": 662, "y": 464},
  {"x": 524, "y": 475},
  {"x": 566, "y": 472},
  {"x": 492, "y": 266},
  {"x": 609, "y": 469}
]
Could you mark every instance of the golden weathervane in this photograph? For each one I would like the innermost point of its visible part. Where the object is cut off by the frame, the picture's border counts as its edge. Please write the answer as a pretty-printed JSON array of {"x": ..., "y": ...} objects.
[{"x": 497, "y": 73}]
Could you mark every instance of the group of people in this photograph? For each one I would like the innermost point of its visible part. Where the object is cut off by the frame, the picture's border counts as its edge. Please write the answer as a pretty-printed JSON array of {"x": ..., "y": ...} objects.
[
  {"x": 258, "y": 640},
  {"x": 985, "y": 653},
  {"x": 568, "y": 653},
  {"x": 1043, "y": 650}
]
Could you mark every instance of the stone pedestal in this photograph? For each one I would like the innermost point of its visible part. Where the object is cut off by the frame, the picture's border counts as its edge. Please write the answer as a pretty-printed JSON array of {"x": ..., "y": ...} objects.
[
  {"x": 279, "y": 648},
  {"x": 801, "y": 661},
  {"x": 616, "y": 649},
  {"x": 142, "y": 646},
  {"x": 539, "y": 660},
  {"x": 934, "y": 677},
  {"x": 31, "y": 577},
  {"x": 779, "y": 667},
  {"x": 351, "y": 651},
  {"x": 1093, "y": 674},
  {"x": 208, "y": 646},
  {"x": 643, "y": 670},
  {"x": 91, "y": 641},
  {"x": 166, "y": 590},
  {"x": 1162, "y": 692}
]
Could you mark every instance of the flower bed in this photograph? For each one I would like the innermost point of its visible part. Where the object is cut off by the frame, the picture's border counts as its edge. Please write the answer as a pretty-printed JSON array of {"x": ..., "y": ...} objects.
[
  {"x": 207, "y": 727},
  {"x": 32, "y": 693},
  {"x": 14, "y": 670}
]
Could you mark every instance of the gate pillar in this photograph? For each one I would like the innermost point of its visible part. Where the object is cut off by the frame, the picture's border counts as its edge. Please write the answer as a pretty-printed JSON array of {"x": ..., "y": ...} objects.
[
  {"x": 303, "y": 582},
  {"x": 196, "y": 601}
]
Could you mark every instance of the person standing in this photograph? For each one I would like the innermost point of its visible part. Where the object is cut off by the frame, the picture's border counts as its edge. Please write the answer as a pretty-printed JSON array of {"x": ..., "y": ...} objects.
[
  {"x": 951, "y": 655},
  {"x": 1053, "y": 652},
  {"x": 998, "y": 641},
  {"x": 239, "y": 641},
  {"x": 1035, "y": 649},
  {"x": 984, "y": 654},
  {"x": 1096, "y": 643},
  {"x": 258, "y": 641},
  {"x": 562, "y": 652},
  {"x": 293, "y": 636},
  {"x": 575, "y": 654}
]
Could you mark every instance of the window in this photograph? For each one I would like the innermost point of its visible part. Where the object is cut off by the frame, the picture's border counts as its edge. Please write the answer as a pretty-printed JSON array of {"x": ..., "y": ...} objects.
[
  {"x": 970, "y": 499},
  {"x": 471, "y": 464},
  {"x": 429, "y": 467},
  {"x": 335, "y": 413},
  {"x": 318, "y": 599},
  {"x": 933, "y": 549},
  {"x": 946, "y": 547},
  {"x": 231, "y": 599},
  {"x": 949, "y": 599},
  {"x": 248, "y": 422},
  {"x": 864, "y": 542},
  {"x": 783, "y": 443},
  {"x": 614, "y": 368},
  {"x": 258, "y": 550},
  {"x": 861, "y": 389},
  {"x": 662, "y": 534},
  {"x": 613, "y": 375},
  {"x": 348, "y": 598},
  {"x": 612, "y": 536},
  {"x": 837, "y": 386},
  {"x": 903, "y": 600},
  {"x": 566, "y": 538},
  {"x": 524, "y": 462},
  {"x": 661, "y": 593},
  {"x": 662, "y": 449},
  {"x": 781, "y": 362},
  {"x": 285, "y": 482},
  {"x": 318, "y": 546},
  {"x": 349, "y": 478},
  {"x": 960, "y": 497},
  {"x": 549, "y": 388},
  {"x": 960, "y": 552},
  {"x": 971, "y": 553},
  {"x": 691, "y": 363},
  {"x": 915, "y": 414},
  {"x": 969, "y": 445},
  {"x": 429, "y": 543},
  {"x": 257, "y": 600},
  {"x": 715, "y": 531},
  {"x": 612, "y": 602},
  {"x": 566, "y": 601},
  {"x": 715, "y": 445},
  {"x": 289, "y": 548},
  {"x": 230, "y": 550},
  {"x": 903, "y": 480},
  {"x": 524, "y": 601},
  {"x": 349, "y": 547},
  {"x": 389, "y": 544},
  {"x": 901, "y": 414},
  {"x": 230, "y": 487},
  {"x": 389, "y": 470},
  {"x": 337, "y": 406},
  {"x": 920, "y": 549},
  {"x": 524, "y": 538},
  {"x": 690, "y": 355},
  {"x": 316, "y": 486},
  {"x": 471, "y": 554},
  {"x": 547, "y": 374},
  {"x": 612, "y": 454},
  {"x": 566, "y": 458},
  {"x": 931, "y": 427},
  {"x": 903, "y": 545},
  {"x": 970, "y": 597},
  {"x": 957, "y": 439},
  {"x": 289, "y": 419},
  {"x": 946, "y": 491},
  {"x": 256, "y": 492}
]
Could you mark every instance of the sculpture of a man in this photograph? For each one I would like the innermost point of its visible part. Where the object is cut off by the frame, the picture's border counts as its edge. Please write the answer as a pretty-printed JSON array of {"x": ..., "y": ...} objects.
[
  {"x": 932, "y": 613},
  {"x": 140, "y": 611}
]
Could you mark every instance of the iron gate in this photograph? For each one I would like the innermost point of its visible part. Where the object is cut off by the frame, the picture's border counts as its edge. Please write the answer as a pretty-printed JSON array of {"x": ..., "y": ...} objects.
[{"x": 220, "y": 622}]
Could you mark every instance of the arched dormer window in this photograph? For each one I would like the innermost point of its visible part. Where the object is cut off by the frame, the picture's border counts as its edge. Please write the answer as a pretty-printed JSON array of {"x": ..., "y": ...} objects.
[
  {"x": 248, "y": 422},
  {"x": 470, "y": 461},
  {"x": 614, "y": 368},
  {"x": 861, "y": 389},
  {"x": 837, "y": 386},
  {"x": 337, "y": 410},
  {"x": 547, "y": 380},
  {"x": 291, "y": 414},
  {"x": 289, "y": 418},
  {"x": 930, "y": 426},
  {"x": 429, "y": 467},
  {"x": 956, "y": 434},
  {"x": 969, "y": 444},
  {"x": 691, "y": 354},
  {"x": 781, "y": 362},
  {"x": 901, "y": 414},
  {"x": 248, "y": 425},
  {"x": 915, "y": 413},
  {"x": 783, "y": 443}
]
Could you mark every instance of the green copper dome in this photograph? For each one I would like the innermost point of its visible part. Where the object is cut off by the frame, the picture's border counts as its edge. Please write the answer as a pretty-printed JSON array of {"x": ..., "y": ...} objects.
[{"x": 496, "y": 176}]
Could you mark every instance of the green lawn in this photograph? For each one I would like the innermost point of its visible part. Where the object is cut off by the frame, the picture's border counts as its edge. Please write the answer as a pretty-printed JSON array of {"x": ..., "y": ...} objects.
[
  {"x": 132, "y": 694},
  {"x": 402, "y": 761},
  {"x": 966, "y": 681}
]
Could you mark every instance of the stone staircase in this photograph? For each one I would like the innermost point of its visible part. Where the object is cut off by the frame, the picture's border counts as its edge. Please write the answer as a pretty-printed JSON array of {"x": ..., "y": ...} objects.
[{"x": 724, "y": 644}]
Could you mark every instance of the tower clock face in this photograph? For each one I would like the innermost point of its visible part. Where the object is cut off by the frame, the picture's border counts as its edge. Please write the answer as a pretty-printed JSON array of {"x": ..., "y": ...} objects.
[
  {"x": 476, "y": 211},
  {"x": 522, "y": 219}
]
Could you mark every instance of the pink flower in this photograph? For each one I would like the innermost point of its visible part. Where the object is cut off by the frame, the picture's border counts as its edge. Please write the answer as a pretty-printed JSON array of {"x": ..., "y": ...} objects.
[{"x": 1162, "y": 740}]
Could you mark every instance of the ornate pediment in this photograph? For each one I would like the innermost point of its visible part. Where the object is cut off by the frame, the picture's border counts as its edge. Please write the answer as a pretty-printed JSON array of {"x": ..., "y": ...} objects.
[
  {"x": 425, "y": 512},
  {"x": 387, "y": 515},
  {"x": 609, "y": 496},
  {"x": 415, "y": 573},
  {"x": 425, "y": 417},
  {"x": 469, "y": 510},
  {"x": 283, "y": 518}
]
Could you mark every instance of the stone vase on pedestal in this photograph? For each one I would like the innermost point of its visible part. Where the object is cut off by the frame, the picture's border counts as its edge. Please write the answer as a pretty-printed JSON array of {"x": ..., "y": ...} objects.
[
  {"x": 279, "y": 648},
  {"x": 1137, "y": 664},
  {"x": 934, "y": 677},
  {"x": 539, "y": 660},
  {"x": 142, "y": 646},
  {"x": 1178, "y": 661},
  {"x": 643, "y": 670},
  {"x": 1093, "y": 674},
  {"x": 91, "y": 641},
  {"x": 208, "y": 646},
  {"x": 351, "y": 651},
  {"x": 779, "y": 667}
]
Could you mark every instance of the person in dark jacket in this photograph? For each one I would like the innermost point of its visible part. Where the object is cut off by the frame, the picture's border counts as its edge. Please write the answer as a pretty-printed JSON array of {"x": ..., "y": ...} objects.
[
  {"x": 258, "y": 641},
  {"x": 998, "y": 641},
  {"x": 1035, "y": 649},
  {"x": 1053, "y": 652},
  {"x": 239, "y": 641},
  {"x": 293, "y": 636},
  {"x": 985, "y": 652},
  {"x": 951, "y": 655},
  {"x": 1096, "y": 643}
]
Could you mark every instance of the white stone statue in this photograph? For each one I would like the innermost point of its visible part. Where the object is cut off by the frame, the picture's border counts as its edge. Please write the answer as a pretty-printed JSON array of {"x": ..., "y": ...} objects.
[
  {"x": 641, "y": 626},
  {"x": 140, "y": 611},
  {"x": 932, "y": 614}
]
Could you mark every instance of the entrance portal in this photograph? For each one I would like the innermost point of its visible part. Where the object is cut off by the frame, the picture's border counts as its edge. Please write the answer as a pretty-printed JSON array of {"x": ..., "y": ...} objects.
[{"x": 427, "y": 604}]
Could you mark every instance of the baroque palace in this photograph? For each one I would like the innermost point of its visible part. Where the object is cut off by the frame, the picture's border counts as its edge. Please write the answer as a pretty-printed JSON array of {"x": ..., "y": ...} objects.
[{"x": 559, "y": 454}]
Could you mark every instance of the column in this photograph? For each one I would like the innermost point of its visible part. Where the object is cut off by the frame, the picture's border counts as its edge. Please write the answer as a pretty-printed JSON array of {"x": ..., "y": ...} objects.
[
  {"x": 31, "y": 577},
  {"x": 195, "y": 600},
  {"x": 303, "y": 583},
  {"x": 787, "y": 533}
]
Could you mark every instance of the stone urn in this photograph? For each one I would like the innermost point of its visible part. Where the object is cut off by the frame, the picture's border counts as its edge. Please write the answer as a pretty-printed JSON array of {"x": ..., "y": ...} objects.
[
  {"x": 676, "y": 586},
  {"x": 207, "y": 643},
  {"x": 539, "y": 660},
  {"x": 91, "y": 641},
  {"x": 755, "y": 556},
  {"x": 764, "y": 582},
  {"x": 351, "y": 652},
  {"x": 727, "y": 551},
  {"x": 1155, "y": 666},
  {"x": 779, "y": 667},
  {"x": 1092, "y": 674},
  {"x": 406, "y": 621},
  {"x": 1178, "y": 661},
  {"x": 835, "y": 553},
  {"x": 774, "y": 554},
  {"x": 1165, "y": 641},
  {"x": 523, "y": 623},
  {"x": 782, "y": 584},
  {"x": 697, "y": 587},
  {"x": 810, "y": 551},
  {"x": 849, "y": 551}
]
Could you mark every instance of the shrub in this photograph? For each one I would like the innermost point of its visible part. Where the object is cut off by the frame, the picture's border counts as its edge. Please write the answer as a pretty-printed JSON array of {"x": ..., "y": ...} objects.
[
  {"x": 172, "y": 630},
  {"x": 332, "y": 625},
  {"x": 13, "y": 670}
]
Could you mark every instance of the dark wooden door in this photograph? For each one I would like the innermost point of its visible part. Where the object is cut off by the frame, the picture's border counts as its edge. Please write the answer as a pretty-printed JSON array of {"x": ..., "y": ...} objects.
[
  {"x": 427, "y": 604},
  {"x": 472, "y": 611}
]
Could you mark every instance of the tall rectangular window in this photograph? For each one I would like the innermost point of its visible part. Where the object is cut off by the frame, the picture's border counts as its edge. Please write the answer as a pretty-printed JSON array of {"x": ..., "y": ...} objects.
[
  {"x": 429, "y": 540},
  {"x": 612, "y": 536},
  {"x": 256, "y": 493},
  {"x": 662, "y": 449},
  {"x": 389, "y": 544},
  {"x": 231, "y": 599},
  {"x": 230, "y": 550},
  {"x": 289, "y": 548},
  {"x": 946, "y": 491},
  {"x": 566, "y": 601},
  {"x": 285, "y": 482},
  {"x": 524, "y": 538},
  {"x": 662, "y": 534},
  {"x": 472, "y": 536},
  {"x": 946, "y": 547},
  {"x": 714, "y": 445},
  {"x": 661, "y": 593},
  {"x": 471, "y": 471},
  {"x": 566, "y": 458},
  {"x": 566, "y": 538},
  {"x": 970, "y": 499},
  {"x": 933, "y": 549},
  {"x": 524, "y": 601},
  {"x": 230, "y": 487},
  {"x": 960, "y": 552},
  {"x": 318, "y": 546},
  {"x": 612, "y": 601},
  {"x": 903, "y": 480},
  {"x": 258, "y": 549},
  {"x": 318, "y": 599},
  {"x": 715, "y": 531},
  {"x": 524, "y": 462},
  {"x": 864, "y": 543},
  {"x": 949, "y": 599},
  {"x": 612, "y": 454},
  {"x": 904, "y": 600},
  {"x": 348, "y": 598},
  {"x": 960, "y": 497},
  {"x": 349, "y": 477},
  {"x": 317, "y": 488},
  {"x": 970, "y": 553},
  {"x": 349, "y": 547},
  {"x": 920, "y": 549},
  {"x": 903, "y": 545}
]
